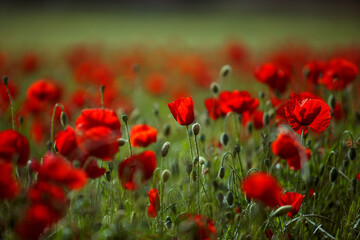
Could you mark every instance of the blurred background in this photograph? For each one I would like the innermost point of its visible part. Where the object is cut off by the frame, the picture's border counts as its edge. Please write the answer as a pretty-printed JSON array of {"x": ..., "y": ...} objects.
[{"x": 57, "y": 24}]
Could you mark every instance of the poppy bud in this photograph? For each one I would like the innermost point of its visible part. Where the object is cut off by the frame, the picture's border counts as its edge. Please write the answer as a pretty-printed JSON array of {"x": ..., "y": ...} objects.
[
  {"x": 322, "y": 168},
  {"x": 173, "y": 209},
  {"x": 156, "y": 112},
  {"x": 5, "y": 80},
  {"x": 214, "y": 87},
  {"x": 63, "y": 119},
  {"x": 202, "y": 160},
  {"x": 136, "y": 68},
  {"x": 189, "y": 168},
  {"x": 108, "y": 175},
  {"x": 225, "y": 71},
  {"x": 125, "y": 118},
  {"x": 316, "y": 181},
  {"x": 21, "y": 120},
  {"x": 202, "y": 137},
  {"x": 166, "y": 174},
  {"x": 267, "y": 162},
  {"x": 194, "y": 176},
  {"x": 266, "y": 119},
  {"x": 333, "y": 174},
  {"x": 168, "y": 222},
  {"x": 221, "y": 173},
  {"x": 281, "y": 211},
  {"x": 121, "y": 142},
  {"x": 250, "y": 127},
  {"x": 215, "y": 185},
  {"x": 354, "y": 183},
  {"x": 220, "y": 197},
  {"x": 111, "y": 165},
  {"x": 331, "y": 101},
  {"x": 308, "y": 143},
  {"x": 224, "y": 139},
  {"x": 346, "y": 162},
  {"x": 195, "y": 160},
  {"x": 237, "y": 148},
  {"x": 352, "y": 153},
  {"x": 102, "y": 89},
  {"x": 230, "y": 198},
  {"x": 165, "y": 149},
  {"x": 167, "y": 130},
  {"x": 228, "y": 215},
  {"x": 261, "y": 95},
  {"x": 196, "y": 129}
]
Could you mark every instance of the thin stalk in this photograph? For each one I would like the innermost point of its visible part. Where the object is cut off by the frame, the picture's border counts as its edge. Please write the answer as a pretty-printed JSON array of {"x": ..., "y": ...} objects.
[
  {"x": 128, "y": 135},
  {"x": 188, "y": 134},
  {"x": 11, "y": 107},
  {"x": 53, "y": 122},
  {"x": 198, "y": 168}
]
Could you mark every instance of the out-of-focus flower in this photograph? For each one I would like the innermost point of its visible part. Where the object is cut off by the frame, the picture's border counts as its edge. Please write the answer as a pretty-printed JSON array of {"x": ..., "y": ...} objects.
[
  {"x": 142, "y": 135},
  {"x": 294, "y": 199},
  {"x": 154, "y": 206},
  {"x": 197, "y": 227},
  {"x": 9, "y": 187},
  {"x": 276, "y": 78},
  {"x": 14, "y": 147}
]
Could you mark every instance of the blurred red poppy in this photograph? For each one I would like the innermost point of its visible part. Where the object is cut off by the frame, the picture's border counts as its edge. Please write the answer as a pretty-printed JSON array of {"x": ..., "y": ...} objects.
[
  {"x": 66, "y": 145},
  {"x": 276, "y": 78},
  {"x": 44, "y": 90},
  {"x": 14, "y": 147},
  {"x": 154, "y": 206},
  {"x": 305, "y": 113},
  {"x": 314, "y": 70},
  {"x": 213, "y": 108},
  {"x": 289, "y": 148},
  {"x": 262, "y": 187},
  {"x": 197, "y": 227},
  {"x": 56, "y": 169},
  {"x": 257, "y": 118},
  {"x": 182, "y": 110},
  {"x": 97, "y": 132},
  {"x": 9, "y": 186},
  {"x": 155, "y": 84},
  {"x": 142, "y": 135},
  {"x": 4, "y": 98},
  {"x": 237, "y": 101},
  {"x": 136, "y": 169},
  {"x": 47, "y": 193},
  {"x": 294, "y": 199},
  {"x": 339, "y": 73},
  {"x": 94, "y": 72},
  {"x": 30, "y": 62}
]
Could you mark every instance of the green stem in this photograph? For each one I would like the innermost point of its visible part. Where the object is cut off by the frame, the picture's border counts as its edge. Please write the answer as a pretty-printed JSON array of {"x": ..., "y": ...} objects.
[
  {"x": 302, "y": 135},
  {"x": 188, "y": 134},
  {"x": 11, "y": 107},
  {"x": 198, "y": 168},
  {"x": 53, "y": 122},
  {"x": 128, "y": 135}
]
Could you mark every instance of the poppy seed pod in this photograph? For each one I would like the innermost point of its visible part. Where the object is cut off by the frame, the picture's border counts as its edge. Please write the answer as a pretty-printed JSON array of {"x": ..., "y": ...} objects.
[
  {"x": 189, "y": 168},
  {"x": 165, "y": 149},
  {"x": 166, "y": 174},
  {"x": 196, "y": 129},
  {"x": 5, "y": 80},
  {"x": 221, "y": 173},
  {"x": 333, "y": 174},
  {"x": 121, "y": 142},
  {"x": 346, "y": 162},
  {"x": 215, "y": 88},
  {"x": 224, "y": 139},
  {"x": 351, "y": 154},
  {"x": 225, "y": 71},
  {"x": 125, "y": 118},
  {"x": 63, "y": 119},
  {"x": 230, "y": 198},
  {"x": 168, "y": 222}
]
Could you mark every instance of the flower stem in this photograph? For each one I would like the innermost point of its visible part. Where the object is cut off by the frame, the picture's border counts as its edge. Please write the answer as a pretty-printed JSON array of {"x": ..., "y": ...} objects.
[
  {"x": 53, "y": 122},
  {"x": 188, "y": 134},
  {"x": 127, "y": 131},
  {"x": 11, "y": 107}
]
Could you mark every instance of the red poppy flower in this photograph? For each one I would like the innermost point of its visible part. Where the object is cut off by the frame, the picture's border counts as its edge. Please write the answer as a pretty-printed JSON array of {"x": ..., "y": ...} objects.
[
  {"x": 262, "y": 187},
  {"x": 44, "y": 90},
  {"x": 142, "y": 135},
  {"x": 338, "y": 112},
  {"x": 314, "y": 70},
  {"x": 154, "y": 203},
  {"x": 97, "y": 131},
  {"x": 38, "y": 130},
  {"x": 313, "y": 113},
  {"x": 155, "y": 84},
  {"x": 294, "y": 199},
  {"x": 213, "y": 108},
  {"x": 57, "y": 169},
  {"x": 269, "y": 233},
  {"x": 9, "y": 187},
  {"x": 4, "y": 99},
  {"x": 304, "y": 95},
  {"x": 276, "y": 78},
  {"x": 358, "y": 176},
  {"x": 237, "y": 101},
  {"x": 36, "y": 219},
  {"x": 92, "y": 169},
  {"x": 14, "y": 147},
  {"x": 339, "y": 73},
  {"x": 47, "y": 193},
  {"x": 289, "y": 148},
  {"x": 30, "y": 62},
  {"x": 182, "y": 110},
  {"x": 257, "y": 118},
  {"x": 66, "y": 145},
  {"x": 198, "y": 227},
  {"x": 311, "y": 192},
  {"x": 94, "y": 72},
  {"x": 136, "y": 169}
]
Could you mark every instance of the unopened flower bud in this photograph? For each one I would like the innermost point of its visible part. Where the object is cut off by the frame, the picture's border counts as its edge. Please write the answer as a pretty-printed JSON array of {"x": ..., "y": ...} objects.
[
  {"x": 322, "y": 168},
  {"x": 189, "y": 168},
  {"x": 125, "y": 118},
  {"x": 166, "y": 174},
  {"x": 111, "y": 165},
  {"x": 346, "y": 162},
  {"x": 221, "y": 173},
  {"x": 167, "y": 130},
  {"x": 196, "y": 129},
  {"x": 136, "y": 68},
  {"x": 261, "y": 95},
  {"x": 220, "y": 197},
  {"x": 168, "y": 222},
  {"x": 165, "y": 149},
  {"x": 266, "y": 119},
  {"x": 281, "y": 211},
  {"x": 225, "y": 71},
  {"x": 214, "y": 87},
  {"x": 230, "y": 198},
  {"x": 352, "y": 153},
  {"x": 195, "y": 160},
  {"x": 333, "y": 174},
  {"x": 237, "y": 148},
  {"x": 331, "y": 101},
  {"x": 194, "y": 176},
  {"x": 63, "y": 119},
  {"x": 202, "y": 137},
  {"x": 202, "y": 160},
  {"x": 250, "y": 127},
  {"x": 121, "y": 141},
  {"x": 228, "y": 216},
  {"x": 267, "y": 162},
  {"x": 108, "y": 175},
  {"x": 224, "y": 139},
  {"x": 5, "y": 80},
  {"x": 21, "y": 120},
  {"x": 102, "y": 88}
]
